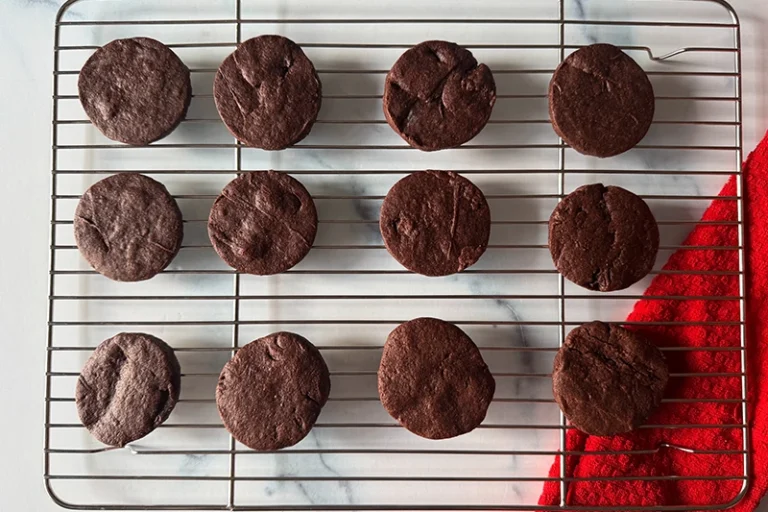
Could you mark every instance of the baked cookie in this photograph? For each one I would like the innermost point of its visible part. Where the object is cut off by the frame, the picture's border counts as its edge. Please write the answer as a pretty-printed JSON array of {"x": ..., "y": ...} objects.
[
  {"x": 268, "y": 93},
  {"x": 437, "y": 96},
  {"x": 128, "y": 227},
  {"x": 608, "y": 380},
  {"x": 603, "y": 238},
  {"x": 433, "y": 380},
  {"x": 435, "y": 223},
  {"x": 127, "y": 388},
  {"x": 135, "y": 90},
  {"x": 263, "y": 223},
  {"x": 270, "y": 394},
  {"x": 601, "y": 102}
]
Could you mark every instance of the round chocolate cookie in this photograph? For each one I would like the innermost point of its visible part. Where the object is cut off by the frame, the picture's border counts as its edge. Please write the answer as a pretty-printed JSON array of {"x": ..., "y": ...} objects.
[
  {"x": 437, "y": 96},
  {"x": 270, "y": 394},
  {"x": 603, "y": 238},
  {"x": 128, "y": 227},
  {"x": 435, "y": 223},
  {"x": 268, "y": 93},
  {"x": 433, "y": 380},
  {"x": 608, "y": 380},
  {"x": 135, "y": 90},
  {"x": 600, "y": 101},
  {"x": 127, "y": 388},
  {"x": 263, "y": 223}
]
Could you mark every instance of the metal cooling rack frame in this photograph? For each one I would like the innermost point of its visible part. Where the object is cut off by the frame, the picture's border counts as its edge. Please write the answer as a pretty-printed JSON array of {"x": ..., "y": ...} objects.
[{"x": 238, "y": 21}]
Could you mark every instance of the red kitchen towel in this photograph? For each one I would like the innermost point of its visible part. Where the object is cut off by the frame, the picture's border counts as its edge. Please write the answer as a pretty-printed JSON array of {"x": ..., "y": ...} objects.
[{"x": 709, "y": 347}]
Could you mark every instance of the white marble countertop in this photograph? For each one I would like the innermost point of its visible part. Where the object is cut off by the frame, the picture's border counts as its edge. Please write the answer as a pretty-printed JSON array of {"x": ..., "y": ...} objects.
[{"x": 26, "y": 41}]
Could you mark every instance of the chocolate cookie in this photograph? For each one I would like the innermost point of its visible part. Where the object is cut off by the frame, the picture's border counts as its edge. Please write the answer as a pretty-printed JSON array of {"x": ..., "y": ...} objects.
[
  {"x": 608, "y": 380},
  {"x": 127, "y": 388},
  {"x": 435, "y": 223},
  {"x": 270, "y": 394},
  {"x": 437, "y": 96},
  {"x": 135, "y": 90},
  {"x": 433, "y": 380},
  {"x": 263, "y": 223},
  {"x": 128, "y": 227},
  {"x": 603, "y": 238},
  {"x": 268, "y": 93},
  {"x": 600, "y": 101}
]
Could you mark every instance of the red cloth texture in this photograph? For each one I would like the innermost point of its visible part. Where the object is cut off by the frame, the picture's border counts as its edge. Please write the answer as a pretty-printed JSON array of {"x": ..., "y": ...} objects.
[{"x": 717, "y": 229}]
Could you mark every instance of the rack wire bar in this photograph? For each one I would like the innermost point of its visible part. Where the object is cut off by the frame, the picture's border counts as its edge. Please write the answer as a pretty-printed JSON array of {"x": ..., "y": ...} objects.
[{"x": 348, "y": 294}]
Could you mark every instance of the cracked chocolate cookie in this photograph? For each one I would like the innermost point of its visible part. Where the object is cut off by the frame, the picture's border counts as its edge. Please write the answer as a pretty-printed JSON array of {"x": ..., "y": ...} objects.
[
  {"x": 601, "y": 102},
  {"x": 128, "y": 227},
  {"x": 435, "y": 223},
  {"x": 263, "y": 223},
  {"x": 608, "y": 380},
  {"x": 270, "y": 394},
  {"x": 268, "y": 93},
  {"x": 603, "y": 238},
  {"x": 135, "y": 90},
  {"x": 127, "y": 388},
  {"x": 433, "y": 380},
  {"x": 437, "y": 96}
]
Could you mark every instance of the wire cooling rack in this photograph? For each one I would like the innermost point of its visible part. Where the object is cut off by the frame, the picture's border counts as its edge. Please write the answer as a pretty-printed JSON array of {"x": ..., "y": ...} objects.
[{"x": 348, "y": 294}]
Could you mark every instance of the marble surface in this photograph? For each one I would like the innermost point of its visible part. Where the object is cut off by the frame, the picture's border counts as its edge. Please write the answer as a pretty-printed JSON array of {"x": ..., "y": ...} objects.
[{"x": 334, "y": 176}]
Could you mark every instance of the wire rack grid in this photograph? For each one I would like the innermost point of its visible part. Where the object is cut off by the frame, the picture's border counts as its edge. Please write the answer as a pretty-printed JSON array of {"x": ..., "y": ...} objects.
[{"x": 348, "y": 294}]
